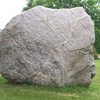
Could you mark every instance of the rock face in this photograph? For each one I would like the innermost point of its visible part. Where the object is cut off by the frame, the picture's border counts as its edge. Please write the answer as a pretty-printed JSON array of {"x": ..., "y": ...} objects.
[
  {"x": 0, "y": 30},
  {"x": 48, "y": 47}
]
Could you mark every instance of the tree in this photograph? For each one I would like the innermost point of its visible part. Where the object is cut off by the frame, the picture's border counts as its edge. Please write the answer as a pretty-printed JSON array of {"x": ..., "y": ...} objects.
[{"x": 92, "y": 7}]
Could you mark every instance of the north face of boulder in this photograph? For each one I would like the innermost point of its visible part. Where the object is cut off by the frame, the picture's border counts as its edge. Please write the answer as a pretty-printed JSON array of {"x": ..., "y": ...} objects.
[{"x": 48, "y": 47}]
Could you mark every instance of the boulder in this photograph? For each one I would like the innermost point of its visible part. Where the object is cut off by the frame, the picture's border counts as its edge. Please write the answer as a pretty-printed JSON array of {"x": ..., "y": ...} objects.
[{"x": 48, "y": 47}]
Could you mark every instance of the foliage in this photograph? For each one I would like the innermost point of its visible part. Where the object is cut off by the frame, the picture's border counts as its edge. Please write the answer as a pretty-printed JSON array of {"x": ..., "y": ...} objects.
[
  {"x": 97, "y": 38},
  {"x": 92, "y": 7},
  {"x": 10, "y": 91},
  {"x": 95, "y": 53}
]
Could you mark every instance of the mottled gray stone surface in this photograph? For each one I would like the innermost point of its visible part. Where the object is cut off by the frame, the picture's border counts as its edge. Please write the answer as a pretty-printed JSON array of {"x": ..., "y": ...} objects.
[
  {"x": 0, "y": 30},
  {"x": 48, "y": 47}
]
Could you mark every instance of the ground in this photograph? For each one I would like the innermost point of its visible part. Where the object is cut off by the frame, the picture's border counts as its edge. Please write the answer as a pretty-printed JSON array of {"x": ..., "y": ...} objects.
[{"x": 10, "y": 91}]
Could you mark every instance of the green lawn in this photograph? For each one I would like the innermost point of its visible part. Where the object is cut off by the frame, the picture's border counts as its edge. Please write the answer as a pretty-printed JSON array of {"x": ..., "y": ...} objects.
[{"x": 30, "y": 92}]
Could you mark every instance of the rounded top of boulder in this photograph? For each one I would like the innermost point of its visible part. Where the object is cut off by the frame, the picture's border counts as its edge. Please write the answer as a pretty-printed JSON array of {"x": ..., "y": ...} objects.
[
  {"x": 79, "y": 10},
  {"x": 58, "y": 18}
]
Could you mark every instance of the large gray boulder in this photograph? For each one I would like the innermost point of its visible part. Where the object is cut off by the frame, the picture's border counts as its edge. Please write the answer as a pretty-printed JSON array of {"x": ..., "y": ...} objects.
[{"x": 48, "y": 47}]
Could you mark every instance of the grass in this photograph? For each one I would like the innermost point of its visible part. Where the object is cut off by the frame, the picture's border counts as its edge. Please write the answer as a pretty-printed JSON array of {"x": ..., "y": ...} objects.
[{"x": 30, "y": 92}]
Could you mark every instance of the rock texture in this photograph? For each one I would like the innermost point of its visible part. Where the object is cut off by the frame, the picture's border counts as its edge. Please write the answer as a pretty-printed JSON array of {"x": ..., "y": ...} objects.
[
  {"x": 48, "y": 47},
  {"x": 0, "y": 30}
]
